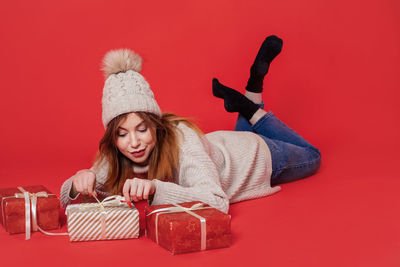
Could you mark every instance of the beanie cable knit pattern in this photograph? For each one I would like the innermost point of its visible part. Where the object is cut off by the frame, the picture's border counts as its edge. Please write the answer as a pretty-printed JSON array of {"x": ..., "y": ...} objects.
[{"x": 125, "y": 89}]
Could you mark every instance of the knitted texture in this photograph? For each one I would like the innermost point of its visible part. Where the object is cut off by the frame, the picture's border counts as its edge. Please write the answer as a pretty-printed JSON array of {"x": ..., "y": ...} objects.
[
  {"x": 219, "y": 168},
  {"x": 125, "y": 89},
  {"x": 127, "y": 92}
]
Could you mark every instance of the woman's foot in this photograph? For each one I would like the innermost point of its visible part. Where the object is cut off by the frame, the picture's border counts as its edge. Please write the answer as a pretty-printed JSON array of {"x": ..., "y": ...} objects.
[
  {"x": 233, "y": 100},
  {"x": 270, "y": 48}
]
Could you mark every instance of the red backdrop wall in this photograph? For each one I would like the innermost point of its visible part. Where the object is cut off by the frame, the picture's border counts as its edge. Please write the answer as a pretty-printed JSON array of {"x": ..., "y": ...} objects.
[{"x": 336, "y": 81}]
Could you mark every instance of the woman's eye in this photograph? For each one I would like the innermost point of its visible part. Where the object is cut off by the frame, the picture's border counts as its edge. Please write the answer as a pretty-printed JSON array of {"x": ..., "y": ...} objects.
[
  {"x": 121, "y": 134},
  {"x": 142, "y": 130}
]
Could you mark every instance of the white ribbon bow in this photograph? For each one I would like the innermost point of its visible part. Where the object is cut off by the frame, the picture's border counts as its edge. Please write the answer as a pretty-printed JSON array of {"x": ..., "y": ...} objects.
[{"x": 112, "y": 201}]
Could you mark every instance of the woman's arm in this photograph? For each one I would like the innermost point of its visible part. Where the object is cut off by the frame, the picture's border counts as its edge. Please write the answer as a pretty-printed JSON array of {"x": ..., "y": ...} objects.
[{"x": 69, "y": 193}]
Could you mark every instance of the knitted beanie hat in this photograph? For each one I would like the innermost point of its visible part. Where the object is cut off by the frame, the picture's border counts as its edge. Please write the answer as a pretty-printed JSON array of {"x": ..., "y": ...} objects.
[{"x": 125, "y": 89}]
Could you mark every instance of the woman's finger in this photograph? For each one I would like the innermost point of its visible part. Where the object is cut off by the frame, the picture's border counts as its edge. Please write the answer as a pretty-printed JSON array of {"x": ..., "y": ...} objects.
[
  {"x": 78, "y": 185},
  {"x": 139, "y": 191},
  {"x": 146, "y": 190},
  {"x": 90, "y": 184},
  {"x": 85, "y": 185},
  {"x": 133, "y": 189},
  {"x": 125, "y": 191}
]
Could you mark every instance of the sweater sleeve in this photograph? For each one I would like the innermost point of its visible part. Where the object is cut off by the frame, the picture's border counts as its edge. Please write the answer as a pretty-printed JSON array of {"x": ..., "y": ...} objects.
[
  {"x": 198, "y": 178},
  {"x": 101, "y": 175}
]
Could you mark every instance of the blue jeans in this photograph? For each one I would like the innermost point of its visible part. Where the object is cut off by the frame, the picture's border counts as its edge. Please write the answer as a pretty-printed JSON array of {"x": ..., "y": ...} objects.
[{"x": 293, "y": 157}]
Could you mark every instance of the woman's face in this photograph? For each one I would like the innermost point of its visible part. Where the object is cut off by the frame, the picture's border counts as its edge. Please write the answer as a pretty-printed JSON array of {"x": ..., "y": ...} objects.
[{"x": 134, "y": 139}]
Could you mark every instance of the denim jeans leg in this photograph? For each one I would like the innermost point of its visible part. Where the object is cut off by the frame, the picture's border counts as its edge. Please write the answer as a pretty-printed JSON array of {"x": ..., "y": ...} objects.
[
  {"x": 291, "y": 162},
  {"x": 293, "y": 157},
  {"x": 273, "y": 128}
]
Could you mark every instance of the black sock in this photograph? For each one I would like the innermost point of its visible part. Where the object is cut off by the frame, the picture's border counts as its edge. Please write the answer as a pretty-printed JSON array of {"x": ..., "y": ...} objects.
[
  {"x": 270, "y": 48},
  {"x": 233, "y": 100}
]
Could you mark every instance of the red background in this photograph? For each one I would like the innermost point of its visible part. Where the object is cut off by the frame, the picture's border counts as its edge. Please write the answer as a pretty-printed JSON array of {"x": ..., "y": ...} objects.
[{"x": 336, "y": 82}]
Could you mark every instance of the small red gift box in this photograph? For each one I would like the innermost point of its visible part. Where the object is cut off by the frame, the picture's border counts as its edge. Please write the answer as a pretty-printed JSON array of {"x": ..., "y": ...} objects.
[
  {"x": 43, "y": 209},
  {"x": 188, "y": 227}
]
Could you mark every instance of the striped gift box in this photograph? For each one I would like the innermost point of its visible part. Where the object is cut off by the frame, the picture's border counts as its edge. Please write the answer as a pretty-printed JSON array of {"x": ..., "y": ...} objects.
[{"x": 92, "y": 221}]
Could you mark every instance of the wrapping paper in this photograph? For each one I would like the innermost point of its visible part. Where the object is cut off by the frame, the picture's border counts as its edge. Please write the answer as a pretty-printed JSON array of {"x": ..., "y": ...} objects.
[
  {"x": 180, "y": 231},
  {"x": 12, "y": 213},
  {"x": 94, "y": 221}
]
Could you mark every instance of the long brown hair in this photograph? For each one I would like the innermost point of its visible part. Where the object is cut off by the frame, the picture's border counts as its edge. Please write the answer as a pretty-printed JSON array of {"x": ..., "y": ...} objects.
[{"x": 163, "y": 160}]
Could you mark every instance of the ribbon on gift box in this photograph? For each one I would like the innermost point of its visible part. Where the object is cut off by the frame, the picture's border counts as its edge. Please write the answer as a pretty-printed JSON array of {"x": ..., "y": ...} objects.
[
  {"x": 110, "y": 201},
  {"x": 179, "y": 208},
  {"x": 31, "y": 198}
]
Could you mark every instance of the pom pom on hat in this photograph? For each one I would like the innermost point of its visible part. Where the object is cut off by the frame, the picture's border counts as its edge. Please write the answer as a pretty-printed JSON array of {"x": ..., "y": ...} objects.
[{"x": 121, "y": 60}]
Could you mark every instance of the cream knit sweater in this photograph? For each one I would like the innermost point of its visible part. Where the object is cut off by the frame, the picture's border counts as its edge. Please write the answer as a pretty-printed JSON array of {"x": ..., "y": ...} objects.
[{"x": 219, "y": 168}]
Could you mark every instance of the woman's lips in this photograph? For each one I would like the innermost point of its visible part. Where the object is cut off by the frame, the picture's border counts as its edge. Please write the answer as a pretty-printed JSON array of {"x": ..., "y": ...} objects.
[{"x": 139, "y": 153}]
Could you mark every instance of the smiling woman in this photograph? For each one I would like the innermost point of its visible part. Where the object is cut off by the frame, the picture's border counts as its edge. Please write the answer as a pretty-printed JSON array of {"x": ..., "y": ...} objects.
[
  {"x": 147, "y": 154},
  {"x": 145, "y": 140},
  {"x": 135, "y": 139}
]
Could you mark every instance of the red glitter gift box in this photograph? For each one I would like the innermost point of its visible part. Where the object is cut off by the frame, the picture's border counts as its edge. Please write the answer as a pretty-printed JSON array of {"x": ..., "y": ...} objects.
[
  {"x": 44, "y": 208},
  {"x": 188, "y": 227}
]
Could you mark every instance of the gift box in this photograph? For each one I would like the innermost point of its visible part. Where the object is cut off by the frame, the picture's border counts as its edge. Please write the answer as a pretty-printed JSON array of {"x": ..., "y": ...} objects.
[
  {"x": 111, "y": 218},
  {"x": 28, "y": 208},
  {"x": 188, "y": 227}
]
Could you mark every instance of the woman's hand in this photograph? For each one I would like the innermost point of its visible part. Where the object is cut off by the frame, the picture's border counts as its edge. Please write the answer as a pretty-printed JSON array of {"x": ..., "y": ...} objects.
[
  {"x": 83, "y": 182},
  {"x": 137, "y": 189}
]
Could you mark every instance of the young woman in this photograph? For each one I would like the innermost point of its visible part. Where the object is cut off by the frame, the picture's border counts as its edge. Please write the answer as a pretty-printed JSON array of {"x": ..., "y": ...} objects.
[{"x": 165, "y": 159}]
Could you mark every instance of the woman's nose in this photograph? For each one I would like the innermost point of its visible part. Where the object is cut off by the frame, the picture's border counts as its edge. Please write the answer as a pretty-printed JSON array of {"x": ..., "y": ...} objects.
[{"x": 134, "y": 141}]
